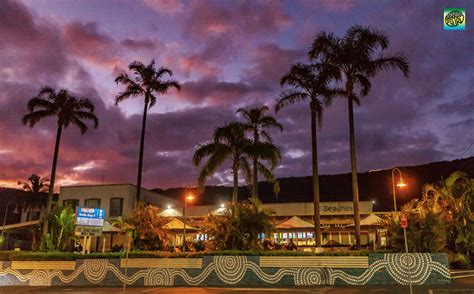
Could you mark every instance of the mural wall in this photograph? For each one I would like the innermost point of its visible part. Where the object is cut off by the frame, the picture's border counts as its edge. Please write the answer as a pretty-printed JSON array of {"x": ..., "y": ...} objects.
[{"x": 233, "y": 270}]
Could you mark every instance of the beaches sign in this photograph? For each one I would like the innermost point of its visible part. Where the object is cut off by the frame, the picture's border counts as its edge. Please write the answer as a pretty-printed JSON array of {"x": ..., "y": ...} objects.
[{"x": 337, "y": 207}]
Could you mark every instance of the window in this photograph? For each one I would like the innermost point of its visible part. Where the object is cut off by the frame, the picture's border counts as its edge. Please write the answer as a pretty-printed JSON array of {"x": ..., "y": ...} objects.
[
  {"x": 116, "y": 207},
  {"x": 73, "y": 203},
  {"x": 92, "y": 203}
]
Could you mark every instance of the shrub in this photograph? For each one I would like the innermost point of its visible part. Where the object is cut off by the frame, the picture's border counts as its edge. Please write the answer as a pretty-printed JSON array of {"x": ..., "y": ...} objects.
[
  {"x": 239, "y": 226},
  {"x": 39, "y": 256}
]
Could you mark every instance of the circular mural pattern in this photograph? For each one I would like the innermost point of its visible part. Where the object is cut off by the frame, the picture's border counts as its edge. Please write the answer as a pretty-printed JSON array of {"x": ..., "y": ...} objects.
[
  {"x": 158, "y": 277},
  {"x": 414, "y": 267},
  {"x": 95, "y": 270},
  {"x": 40, "y": 278},
  {"x": 310, "y": 276},
  {"x": 230, "y": 269}
]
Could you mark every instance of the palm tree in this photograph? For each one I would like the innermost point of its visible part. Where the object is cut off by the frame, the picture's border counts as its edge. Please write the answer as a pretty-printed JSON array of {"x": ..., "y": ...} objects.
[
  {"x": 68, "y": 110},
  {"x": 147, "y": 83},
  {"x": 359, "y": 57},
  {"x": 228, "y": 143},
  {"x": 308, "y": 82},
  {"x": 257, "y": 122},
  {"x": 36, "y": 186}
]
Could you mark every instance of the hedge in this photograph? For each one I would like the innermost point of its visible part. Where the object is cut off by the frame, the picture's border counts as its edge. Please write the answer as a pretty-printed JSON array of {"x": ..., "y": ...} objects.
[{"x": 27, "y": 255}]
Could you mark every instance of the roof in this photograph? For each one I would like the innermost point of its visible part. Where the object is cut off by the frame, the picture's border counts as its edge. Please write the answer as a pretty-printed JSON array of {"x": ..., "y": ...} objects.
[
  {"x": 294, "y": 222},
  {"x": 109, "y": 228},
  {"x": 371, "y": 220},
  {"x": 176, "y": 224}
]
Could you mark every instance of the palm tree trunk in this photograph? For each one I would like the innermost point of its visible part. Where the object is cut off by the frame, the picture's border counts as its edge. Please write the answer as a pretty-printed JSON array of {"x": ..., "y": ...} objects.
[
  {"x": 355, "y": 185},
  {"x": 235, "y": 191},
  {"x": 316, "y": 198},
  {"x": 53, "y": 177},
  {"x": 255, "y": 179},
  {"x": 255, "y": 169},
  {"x": 140, "y": 156}
]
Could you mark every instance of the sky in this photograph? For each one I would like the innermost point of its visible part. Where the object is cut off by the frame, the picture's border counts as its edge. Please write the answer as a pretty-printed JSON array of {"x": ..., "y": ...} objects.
[{"x": 226, "y": 55}]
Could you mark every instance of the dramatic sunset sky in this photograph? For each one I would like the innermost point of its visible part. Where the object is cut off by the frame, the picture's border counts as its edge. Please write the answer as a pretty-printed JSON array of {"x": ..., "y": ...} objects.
[{"x": 226, "y": 54}]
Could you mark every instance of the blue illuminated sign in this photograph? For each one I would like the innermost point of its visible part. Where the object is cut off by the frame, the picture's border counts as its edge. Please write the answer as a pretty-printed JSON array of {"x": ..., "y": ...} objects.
[{"x": 90, "y": 217}]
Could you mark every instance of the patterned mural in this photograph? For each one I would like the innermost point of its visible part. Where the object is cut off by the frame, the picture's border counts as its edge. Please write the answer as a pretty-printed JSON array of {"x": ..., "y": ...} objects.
[{"x": 239, "y": 270}]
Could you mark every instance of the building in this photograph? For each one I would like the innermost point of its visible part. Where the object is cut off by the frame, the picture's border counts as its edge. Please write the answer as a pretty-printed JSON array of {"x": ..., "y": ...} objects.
[
  {"x": 295, "y": 221},
  {"x": 116, "y": 199},
  {"x": 292, "y": 220}
]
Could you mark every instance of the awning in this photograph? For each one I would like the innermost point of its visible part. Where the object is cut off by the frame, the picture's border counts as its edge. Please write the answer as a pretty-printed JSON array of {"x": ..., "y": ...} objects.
[
  {"x": 19, "y": 225},
  {"x": 370, "y": 220},
  {"x": 176, "y": 224},
  {"x": 293, "y": 223},
  {"x": 108, "y": 228}
]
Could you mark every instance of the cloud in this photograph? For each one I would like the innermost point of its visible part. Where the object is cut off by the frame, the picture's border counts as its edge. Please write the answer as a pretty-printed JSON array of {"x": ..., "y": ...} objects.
[{"x": 165, "y": 6}]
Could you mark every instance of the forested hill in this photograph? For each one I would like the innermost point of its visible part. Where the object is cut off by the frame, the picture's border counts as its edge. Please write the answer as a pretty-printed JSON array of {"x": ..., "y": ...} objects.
[{"x": 374, "y": 185}]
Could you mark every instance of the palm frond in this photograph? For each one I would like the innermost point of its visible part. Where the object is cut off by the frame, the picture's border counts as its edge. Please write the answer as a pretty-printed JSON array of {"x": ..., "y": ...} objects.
[
  {"x": 397, "y": 61},
  {"x": 290, "y": 97},
  {"x": 34, "y": 117}
]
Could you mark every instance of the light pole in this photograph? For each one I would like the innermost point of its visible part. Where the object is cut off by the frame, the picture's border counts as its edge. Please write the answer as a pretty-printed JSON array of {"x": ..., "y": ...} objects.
[
  {"x": 189, "y": 197},
  {"x": 400, "y": 184},
  {"x": 15, "y": 211}
]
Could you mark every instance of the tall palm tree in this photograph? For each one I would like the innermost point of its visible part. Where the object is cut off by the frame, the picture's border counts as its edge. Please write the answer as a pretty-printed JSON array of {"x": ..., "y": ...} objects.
[
  {"x": 147, "y": 83},
  {"x": 69, "y": 110},
  {"x": 228, "y": 143},
  {"x": 257, "y": 121},
  {"x": 359, "y": 55},
  {"x": 308, "y": 82},
  {"x": 36, "y": 186}
]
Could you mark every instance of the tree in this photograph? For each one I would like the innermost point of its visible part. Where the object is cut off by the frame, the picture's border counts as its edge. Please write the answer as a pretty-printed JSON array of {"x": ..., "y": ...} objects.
[
  {"x": 147, "y": 83},
  {"x": 145, "y": 226},
  {"x": 359, "y": 56},
  {"x": 238, "y": 228},
  {"x": 228, "y": 143},
  {"x": 37, "y": 187},
  {"x": 258, "y": 122},
  {"x": 454, "y": 196},
  {"x": 65, "y": 221},
  {"x": 308, "y": 82},
  {"x": 68, "y": 110}
]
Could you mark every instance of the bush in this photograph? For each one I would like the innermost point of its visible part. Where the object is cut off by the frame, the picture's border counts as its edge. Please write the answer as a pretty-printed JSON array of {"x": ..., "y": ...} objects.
[{"x": 40, "y": 256}]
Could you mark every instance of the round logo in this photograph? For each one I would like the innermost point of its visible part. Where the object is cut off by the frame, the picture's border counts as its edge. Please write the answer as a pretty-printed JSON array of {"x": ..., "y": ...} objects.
[{"x": 454, "y": 18}]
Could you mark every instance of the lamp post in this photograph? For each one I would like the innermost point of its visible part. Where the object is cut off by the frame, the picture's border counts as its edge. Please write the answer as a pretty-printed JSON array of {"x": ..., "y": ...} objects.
[
  {"x": 400, "y": 184},
  {"x": 15, "y": 211},
  {"x": 189, "y": 197}
]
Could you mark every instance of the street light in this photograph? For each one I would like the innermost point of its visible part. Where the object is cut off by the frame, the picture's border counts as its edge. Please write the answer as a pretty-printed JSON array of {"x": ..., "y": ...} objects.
[
  {"x": 15, "y": 211},
  {"x": 400, "y": 184},
  {"x": 189, "y": 197}
]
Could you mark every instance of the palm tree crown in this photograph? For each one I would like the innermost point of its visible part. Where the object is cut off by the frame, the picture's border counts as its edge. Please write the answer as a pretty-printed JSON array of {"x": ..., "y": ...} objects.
[
  {"x": 147, "y": 82},
  {"x": 309, "y": 82},
  {"x": 257, "y": 122},
  {"x": 358, "y": 56},
  {"x": 67, "y": 108}
]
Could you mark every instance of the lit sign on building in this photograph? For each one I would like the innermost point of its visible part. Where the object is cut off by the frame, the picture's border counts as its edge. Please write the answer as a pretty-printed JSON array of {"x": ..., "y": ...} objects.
[{"x": 93, "y": 217}]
